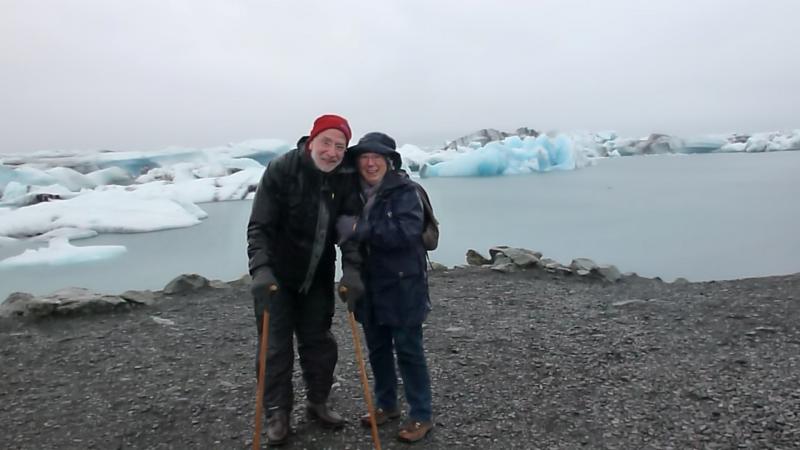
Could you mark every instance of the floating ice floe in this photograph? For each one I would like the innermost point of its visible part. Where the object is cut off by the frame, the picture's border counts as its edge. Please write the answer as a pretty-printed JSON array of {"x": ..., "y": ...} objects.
[{"x": 61, "y": 252}]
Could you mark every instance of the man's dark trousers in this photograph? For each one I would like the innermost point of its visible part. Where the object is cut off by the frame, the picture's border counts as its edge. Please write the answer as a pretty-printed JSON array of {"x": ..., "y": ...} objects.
[{"x": 309, "y": 316}]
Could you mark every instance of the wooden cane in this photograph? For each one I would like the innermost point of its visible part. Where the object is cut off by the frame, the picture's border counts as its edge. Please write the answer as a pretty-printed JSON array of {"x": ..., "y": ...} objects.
[
  {"x": 262, "y": 368},
  {"x": 363, "y": 370}
]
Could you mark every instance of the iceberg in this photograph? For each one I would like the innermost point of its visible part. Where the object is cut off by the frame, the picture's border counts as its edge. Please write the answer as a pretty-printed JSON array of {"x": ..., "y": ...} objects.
[
  {"x": 110, "y": 211},
  {"x": 60, "y": 252},
  {"x": 513, "y": 156}
]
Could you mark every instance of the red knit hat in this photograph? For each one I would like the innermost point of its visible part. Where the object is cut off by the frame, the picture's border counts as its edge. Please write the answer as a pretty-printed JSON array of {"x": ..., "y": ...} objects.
[{"x": 327, "y": 122}]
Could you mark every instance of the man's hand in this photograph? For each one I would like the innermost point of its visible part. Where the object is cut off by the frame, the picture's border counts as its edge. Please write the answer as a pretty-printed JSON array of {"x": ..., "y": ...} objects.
[
  {"x": 351, "y": 288},
  {"x": 263, "y": 288}
]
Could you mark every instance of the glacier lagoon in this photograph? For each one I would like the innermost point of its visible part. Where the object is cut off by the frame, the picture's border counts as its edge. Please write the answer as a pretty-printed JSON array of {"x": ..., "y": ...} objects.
[{"x": 700, "y": 216}]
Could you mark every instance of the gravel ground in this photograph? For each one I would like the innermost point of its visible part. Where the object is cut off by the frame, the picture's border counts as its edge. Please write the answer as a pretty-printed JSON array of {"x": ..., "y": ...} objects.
[{"x": 525, "y": 360}]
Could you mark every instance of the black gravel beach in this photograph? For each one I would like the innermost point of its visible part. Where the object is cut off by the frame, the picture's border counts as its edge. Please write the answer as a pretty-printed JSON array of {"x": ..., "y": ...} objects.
[{"x": 522, "y": 360}]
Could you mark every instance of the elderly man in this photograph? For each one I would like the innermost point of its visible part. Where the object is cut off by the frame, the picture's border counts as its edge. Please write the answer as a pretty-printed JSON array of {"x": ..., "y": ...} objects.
[{"x": 290, "y": 243}]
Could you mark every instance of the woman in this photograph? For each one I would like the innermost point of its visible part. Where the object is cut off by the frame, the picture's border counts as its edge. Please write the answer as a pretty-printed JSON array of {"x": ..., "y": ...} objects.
[{"x": 388, "y": 235}]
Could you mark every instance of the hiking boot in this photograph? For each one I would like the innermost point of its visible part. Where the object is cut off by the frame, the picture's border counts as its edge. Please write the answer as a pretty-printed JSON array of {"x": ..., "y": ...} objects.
[
  {"x": 381, "y": 417},
  {"x": 277, "y": 428},
  {"x": 414, "y": 431},
  {"x": 325, "y": 416}
]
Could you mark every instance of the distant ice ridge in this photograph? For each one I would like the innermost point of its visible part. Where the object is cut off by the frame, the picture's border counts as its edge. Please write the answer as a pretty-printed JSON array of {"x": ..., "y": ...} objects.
[
  {"x": 512, "y": 156},
  {"x": 490, "y": 152}
]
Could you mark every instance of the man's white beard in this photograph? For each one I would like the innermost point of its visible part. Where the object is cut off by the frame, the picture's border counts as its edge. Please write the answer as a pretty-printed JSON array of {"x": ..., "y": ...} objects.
[{"x": 321, "y": 164}]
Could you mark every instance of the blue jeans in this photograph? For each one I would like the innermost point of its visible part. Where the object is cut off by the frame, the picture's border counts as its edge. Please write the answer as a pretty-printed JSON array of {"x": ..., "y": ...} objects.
[{"x": 382, "y": 342}]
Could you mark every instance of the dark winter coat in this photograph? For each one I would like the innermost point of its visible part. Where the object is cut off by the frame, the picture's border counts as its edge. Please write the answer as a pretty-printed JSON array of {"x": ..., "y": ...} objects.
[
  {"x": 394, "y": 265},
  {"x": 292, "y": 224}
]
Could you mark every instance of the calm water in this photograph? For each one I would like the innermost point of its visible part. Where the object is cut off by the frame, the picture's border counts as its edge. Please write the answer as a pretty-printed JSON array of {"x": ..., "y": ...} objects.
[{"x": 698, "y": 216}]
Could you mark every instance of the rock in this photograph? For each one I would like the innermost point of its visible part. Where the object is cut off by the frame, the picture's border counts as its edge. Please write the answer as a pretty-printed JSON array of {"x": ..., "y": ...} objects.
[
  {"x": 525, "y": 131},
  {"x": 520, "y": 256},
  {"x": 15, "y": 304},
  {"x": 500, "y": 259},
  {"x": 583, "y": 272},
  {"x": 681, "y": 280},
  {"x": 549, "y": 263},
  {"x": 84, "y": 301},
  {"x": 637, "y": 301},
  {"x": 69, "y": 301},
  {"x": 582, "y": 264},
  {"x": 608, "y": 273},
  {"x": 476, "y": 259},
  {"x": 497, "y": 250},
  {"x": 505, "y": 267},
  {"x": 186, "y": 283},
  {"x": 481, "y": 137},
  {"x": 436, "y": 267},
  {"x": 631, "y": 301},
  {"x": 244, "y": 280},
  {"x": 162, "y": 321},
  {"x": 563, "y": 270},
  {"x": 146, "y": 298},
  {"x": 218, "y": 284},
  {"x": 486, "y": 135}
]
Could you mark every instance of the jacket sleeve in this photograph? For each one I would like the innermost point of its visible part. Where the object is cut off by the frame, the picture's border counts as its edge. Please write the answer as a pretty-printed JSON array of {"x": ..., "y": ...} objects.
[
  {"x": 351, "y": 249},
  {"x": 400, "y": 225},
  {"x": 262, "y": 227}
]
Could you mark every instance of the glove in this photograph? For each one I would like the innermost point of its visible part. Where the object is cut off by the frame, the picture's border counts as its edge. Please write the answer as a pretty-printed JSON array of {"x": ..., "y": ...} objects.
[
  {"x": 263, "y": 288},
  {"x": 351, "y": 288}
]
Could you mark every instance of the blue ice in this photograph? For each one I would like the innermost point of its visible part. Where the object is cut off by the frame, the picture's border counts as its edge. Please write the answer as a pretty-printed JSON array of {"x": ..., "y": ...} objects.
[{"x": 511, "y": 156}]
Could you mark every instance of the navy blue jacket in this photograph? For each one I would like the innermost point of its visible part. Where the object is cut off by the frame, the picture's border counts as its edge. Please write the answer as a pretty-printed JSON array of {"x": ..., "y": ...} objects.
[{"x": 394, "y": 268}]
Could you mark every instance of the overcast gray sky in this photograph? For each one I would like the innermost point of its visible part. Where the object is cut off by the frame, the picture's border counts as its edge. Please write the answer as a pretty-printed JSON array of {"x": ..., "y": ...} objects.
[{"x": 142, "y": 75}]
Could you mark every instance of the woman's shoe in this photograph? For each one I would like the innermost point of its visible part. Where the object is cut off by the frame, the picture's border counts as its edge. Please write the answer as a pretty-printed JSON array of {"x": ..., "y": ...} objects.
[
  {"x": 381, "y": 417},
  {"x": 414, "y": 431}
]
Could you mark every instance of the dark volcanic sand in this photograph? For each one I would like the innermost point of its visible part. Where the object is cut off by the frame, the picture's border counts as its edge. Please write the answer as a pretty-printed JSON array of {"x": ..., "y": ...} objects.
[{"x": 528, "y": 360}]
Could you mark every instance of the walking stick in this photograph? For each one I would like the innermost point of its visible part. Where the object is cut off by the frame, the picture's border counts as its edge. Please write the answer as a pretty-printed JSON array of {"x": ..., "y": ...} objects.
[
  {"x": 262, "y": 368},
  {"x": 363, "y": 369}
]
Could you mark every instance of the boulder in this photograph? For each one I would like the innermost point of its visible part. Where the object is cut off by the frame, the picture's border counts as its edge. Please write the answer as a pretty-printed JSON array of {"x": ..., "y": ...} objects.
[
  {"x": 437, "y": 267},
  {"x": 83, "y": 301},
  {"x": 69, "y": 301},
  {"x": 476, "y": 259},
  {"x": 219, "y": 284},
  {"x": 505, "y": 267},
  {"x": 145, "y": 298},
  {"x": 551, "y": 265},
  {"x": 580, "y": 265},
  {"x": 480, "y": 137},
  {"x": 608, "y": 273},
  {"x": 186, "y": 283},
  {"x": 520, "y": 256},
  {"x": 15, "y": 304}
]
